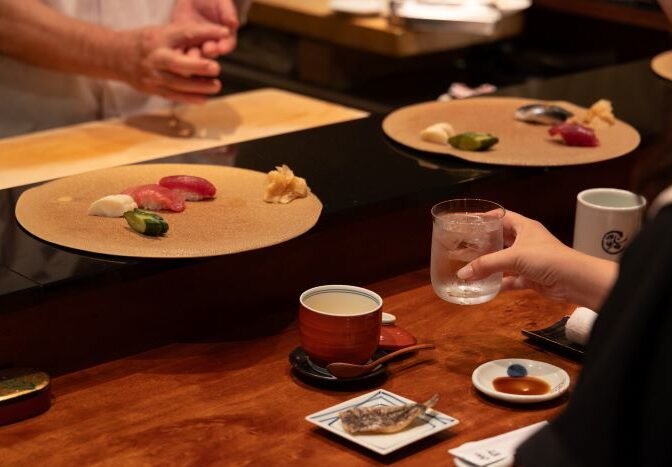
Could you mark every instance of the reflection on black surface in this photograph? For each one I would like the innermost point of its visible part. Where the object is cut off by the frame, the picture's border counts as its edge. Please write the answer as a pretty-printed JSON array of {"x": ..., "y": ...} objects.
[
  {"x": 458, "y": 168},
  {"x": 36, "y": 260},
  {"x": 350, "y": 166},
  {"x": 11, "y": 282}
]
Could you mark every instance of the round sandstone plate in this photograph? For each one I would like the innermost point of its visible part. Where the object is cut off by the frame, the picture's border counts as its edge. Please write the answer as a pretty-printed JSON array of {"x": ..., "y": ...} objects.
[
  {"x": 520, "y": 143},
  {"x": 661, "y": 64},
  {"x": 236, "y": 220}
]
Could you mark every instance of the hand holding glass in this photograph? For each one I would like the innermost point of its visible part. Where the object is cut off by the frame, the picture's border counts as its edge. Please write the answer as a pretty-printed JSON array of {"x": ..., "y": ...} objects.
[{"x": 463, "y": 230}]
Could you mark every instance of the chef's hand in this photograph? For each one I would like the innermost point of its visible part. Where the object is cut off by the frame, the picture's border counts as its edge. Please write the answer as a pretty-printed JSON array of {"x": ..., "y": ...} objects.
[
  {"x": 152, "y": 59},
  {"x": 218, "y": 12},
  {"x": 537, "y": 260}
]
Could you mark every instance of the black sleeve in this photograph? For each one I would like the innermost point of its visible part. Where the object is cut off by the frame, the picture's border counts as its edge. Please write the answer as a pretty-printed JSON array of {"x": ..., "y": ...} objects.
[{"x": 621, "y": 410}]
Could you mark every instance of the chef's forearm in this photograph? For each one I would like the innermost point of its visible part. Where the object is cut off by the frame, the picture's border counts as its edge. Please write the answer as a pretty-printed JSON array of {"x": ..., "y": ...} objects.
[{"x": 32, "y": 32}]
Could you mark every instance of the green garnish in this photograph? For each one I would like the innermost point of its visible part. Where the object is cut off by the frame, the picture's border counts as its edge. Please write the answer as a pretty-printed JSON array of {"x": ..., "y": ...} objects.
[
  {"x": 146, "y": 222},
  {"x": 473, "y": 141}
]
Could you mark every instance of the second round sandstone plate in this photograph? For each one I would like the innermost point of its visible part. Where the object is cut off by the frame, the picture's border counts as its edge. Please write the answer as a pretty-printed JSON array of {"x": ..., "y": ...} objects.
[
  {"x": 236, "y": 220},
  {"x": 520, "y": 143},
  {"x": 661, "y": 64}
]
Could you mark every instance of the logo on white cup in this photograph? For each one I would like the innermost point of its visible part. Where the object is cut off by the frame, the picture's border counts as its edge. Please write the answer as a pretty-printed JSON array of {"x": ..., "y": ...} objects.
[
  {"x": 606, "y": 221},
  {"x": 613, "y": 242}
]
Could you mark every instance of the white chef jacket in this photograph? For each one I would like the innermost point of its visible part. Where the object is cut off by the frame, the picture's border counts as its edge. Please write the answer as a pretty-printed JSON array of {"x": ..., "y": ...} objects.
[{"x": 35, "y": 98}]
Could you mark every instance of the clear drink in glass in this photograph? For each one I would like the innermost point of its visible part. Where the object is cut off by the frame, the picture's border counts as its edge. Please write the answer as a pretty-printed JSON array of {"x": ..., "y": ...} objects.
[{"x": 463, "y": 230}]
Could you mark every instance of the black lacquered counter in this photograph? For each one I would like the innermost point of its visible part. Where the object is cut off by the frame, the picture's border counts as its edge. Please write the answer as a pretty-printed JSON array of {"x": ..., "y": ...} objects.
[
  {"x": 350, "y": 166},
  {"x": 375, "y": 224}
]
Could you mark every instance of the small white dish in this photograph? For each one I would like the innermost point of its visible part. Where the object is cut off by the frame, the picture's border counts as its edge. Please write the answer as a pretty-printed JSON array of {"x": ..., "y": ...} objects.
[
  {"x": 425, "y": 425},
  {"x": 557, "y": 379},
  {"x": 359, "y": 7}
]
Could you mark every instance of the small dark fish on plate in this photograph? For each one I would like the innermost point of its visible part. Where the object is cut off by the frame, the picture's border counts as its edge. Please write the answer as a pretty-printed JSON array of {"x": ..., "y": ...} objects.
[
  {"x": 383, "y": 418},
  {"x": 542, "y": 113}
]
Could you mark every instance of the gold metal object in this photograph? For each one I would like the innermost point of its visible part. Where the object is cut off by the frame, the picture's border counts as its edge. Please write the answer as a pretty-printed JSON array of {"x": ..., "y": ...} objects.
[{"x": 17, "y": 382}]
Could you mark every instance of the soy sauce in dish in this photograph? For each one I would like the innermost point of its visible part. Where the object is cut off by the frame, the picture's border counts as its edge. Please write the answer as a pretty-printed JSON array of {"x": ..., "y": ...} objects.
[{"x": 525, "y": 386}]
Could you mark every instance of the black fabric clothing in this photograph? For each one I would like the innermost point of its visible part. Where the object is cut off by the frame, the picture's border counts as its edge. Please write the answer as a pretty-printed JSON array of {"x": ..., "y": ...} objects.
[{"x": 621, "y": 411}]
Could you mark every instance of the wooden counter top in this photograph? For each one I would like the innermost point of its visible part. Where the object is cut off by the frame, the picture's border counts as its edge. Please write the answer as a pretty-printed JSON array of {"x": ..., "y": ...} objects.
[
  {"x": 315, "y": 19},
  {"x": 237, "y": 403},
  {"x": 235, "y": 118}
]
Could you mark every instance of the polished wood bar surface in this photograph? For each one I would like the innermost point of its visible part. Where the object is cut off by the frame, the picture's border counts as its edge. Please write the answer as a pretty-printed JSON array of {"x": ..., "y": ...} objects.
[
  {"x": 314, "y": 19},
  {"x": 235, "y": 118},
  {"x": 219, "y": 402}
]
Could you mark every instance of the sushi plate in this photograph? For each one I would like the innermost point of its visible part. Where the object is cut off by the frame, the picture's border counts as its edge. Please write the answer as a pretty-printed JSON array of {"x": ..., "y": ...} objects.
[
  {"x": 661, "y": 64},
  {"x": 520, "y": 143},
  {"x": 431, "y": 422},
  {"x": 236, "y": 220}
]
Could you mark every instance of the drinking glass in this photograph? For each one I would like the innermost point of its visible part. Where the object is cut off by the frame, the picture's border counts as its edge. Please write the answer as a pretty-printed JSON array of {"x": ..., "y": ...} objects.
[{"x": 463, "y": 230}]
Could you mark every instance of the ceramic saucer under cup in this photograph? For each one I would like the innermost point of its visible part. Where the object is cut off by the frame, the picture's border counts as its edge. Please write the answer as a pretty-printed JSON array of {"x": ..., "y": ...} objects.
[{"x": 303, "y": 366}]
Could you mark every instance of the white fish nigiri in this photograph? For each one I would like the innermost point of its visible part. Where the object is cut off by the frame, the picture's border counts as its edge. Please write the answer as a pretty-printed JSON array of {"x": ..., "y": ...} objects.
[
  {"x": 438, "y": 133},
  {"x": 112, "y": 206}
]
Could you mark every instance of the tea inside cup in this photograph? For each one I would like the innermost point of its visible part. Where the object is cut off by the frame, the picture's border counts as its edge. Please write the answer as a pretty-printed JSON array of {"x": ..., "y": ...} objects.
[{"x": 339, "y": 323}]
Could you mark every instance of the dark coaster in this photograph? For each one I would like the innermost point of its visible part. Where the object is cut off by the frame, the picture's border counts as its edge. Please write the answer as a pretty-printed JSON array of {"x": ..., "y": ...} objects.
[
  {"x": 304, "y": 367},
  {"x": 553, "y": 338}
]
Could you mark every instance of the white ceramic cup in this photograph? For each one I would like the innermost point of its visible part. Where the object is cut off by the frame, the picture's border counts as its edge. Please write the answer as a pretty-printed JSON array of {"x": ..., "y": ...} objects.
[{"x": 607, "y": 219}]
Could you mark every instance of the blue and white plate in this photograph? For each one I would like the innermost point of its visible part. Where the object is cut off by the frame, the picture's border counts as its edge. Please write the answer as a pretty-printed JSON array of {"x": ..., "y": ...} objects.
[{"x": 384, "y": 443}]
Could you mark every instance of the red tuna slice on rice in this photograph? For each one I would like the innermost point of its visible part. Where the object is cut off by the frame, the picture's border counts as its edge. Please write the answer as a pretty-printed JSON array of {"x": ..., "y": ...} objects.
[
  {"x": 156, "y": 198},
  {"x": 193, "y": 188},
  {"x": 575, "y": 135}
]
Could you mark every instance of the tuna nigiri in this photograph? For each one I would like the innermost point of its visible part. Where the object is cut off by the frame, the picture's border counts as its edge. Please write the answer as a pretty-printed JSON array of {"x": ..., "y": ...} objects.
[
  {"x": 156, "y": 197},
  {"x": 575, "y": 135},
  {"x": 193, "y": 188}
]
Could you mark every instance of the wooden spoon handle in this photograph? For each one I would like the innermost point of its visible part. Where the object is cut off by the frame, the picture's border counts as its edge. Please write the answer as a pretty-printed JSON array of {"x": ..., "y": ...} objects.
[{"x": 396, "y": 353}]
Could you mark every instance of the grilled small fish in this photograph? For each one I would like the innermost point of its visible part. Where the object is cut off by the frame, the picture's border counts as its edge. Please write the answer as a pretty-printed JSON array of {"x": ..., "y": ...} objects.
[
  {"x": 542, "y": 113},
  {"x": 383, "y": 418}
]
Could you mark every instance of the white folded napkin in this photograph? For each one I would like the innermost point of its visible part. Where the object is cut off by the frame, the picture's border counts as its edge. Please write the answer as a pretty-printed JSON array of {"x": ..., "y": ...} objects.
[
  {"x": 495, "y": 450},
  {"x": 579, "y": 325}
]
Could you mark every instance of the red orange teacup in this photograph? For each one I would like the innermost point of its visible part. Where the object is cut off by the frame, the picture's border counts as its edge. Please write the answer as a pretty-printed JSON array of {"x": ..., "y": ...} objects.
[{"x": 340, "y": 323}]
